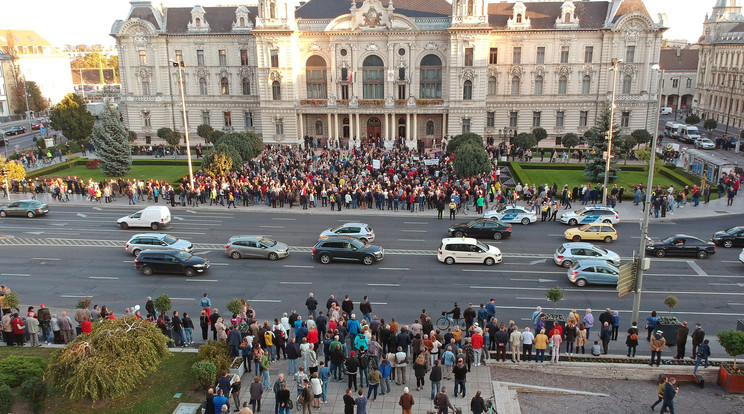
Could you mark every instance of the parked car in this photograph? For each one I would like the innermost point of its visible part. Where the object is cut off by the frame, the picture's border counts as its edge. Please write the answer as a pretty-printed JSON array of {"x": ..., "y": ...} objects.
[
  {"x": 36, "y": 125},
  {"x": 16, "y": 130},
  {"x": 345, "y": 248},
  {"x": 597, "y": 272},
  {"x": 598, "y": 231},
  {"x": 681, "y": 245},
  {"x": 360, "y": 231},
  {"x": 513, "y": 214},
  {"x": 157, "y": 241},
  {"x": 741, "y": 256},
  {"x": 595, "y": 214},
  {"x": 245, "y": 247},
  {"x": 731, "y": 237},
  {"x": 705, "y": 143},
  {"x": 481, "y": 228},
  {"x": 569, "y": 253},
  {"x": 170, "y": 261},
  {"x": 467, "y": 250},
  {"x": 28, "y": 208}
]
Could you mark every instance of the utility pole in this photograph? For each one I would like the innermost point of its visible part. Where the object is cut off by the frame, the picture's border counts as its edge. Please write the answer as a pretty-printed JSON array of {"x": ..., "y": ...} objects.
[
  {"x": 615, "y": 62},
  {"x": 180, "y": 65}
]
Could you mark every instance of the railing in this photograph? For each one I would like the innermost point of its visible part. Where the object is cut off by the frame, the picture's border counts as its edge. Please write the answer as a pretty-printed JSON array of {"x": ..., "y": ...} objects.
[
  {"x": 371, "y": 102},
  {"x": 313, "y": 102},
  {"x": 429, "y": 102}
]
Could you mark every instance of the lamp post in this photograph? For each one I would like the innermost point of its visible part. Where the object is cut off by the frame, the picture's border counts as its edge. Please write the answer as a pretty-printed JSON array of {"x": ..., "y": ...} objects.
[
  {"x": 615, "y": 62},
  {"x": 28, "y": 107},
  {"x": 647, "y": 207},
  {"x": 180, "y": 65}
]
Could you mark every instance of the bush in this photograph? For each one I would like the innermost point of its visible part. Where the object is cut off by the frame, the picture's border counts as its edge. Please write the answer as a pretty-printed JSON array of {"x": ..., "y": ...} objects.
[
  {"x": 205, "y": 373},
  {"x": 670, "y": 166},
  {"x": 11, "y": 300},
  {"x": 93, "y": 164},
  {"x": 671, "y": 302},
  {"x": 234, "y": 305},
  {"x": 463, "y": 139},
  {"x": 163, "y": 303},
  {"x": 216, "y": 352},
  {"x": 7, "y": 399},
  {"x": 83, "y": 303},
  {"x": 14, "y": 370},
  {"x": 35, "y": 391}
]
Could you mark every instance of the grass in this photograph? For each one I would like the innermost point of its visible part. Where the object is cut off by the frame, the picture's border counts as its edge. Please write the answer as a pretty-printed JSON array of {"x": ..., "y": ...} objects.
[
  {"x": 628, "y": 179},
  {"x": 169, "y": 173},
  {"x": 153, "y": 395}
]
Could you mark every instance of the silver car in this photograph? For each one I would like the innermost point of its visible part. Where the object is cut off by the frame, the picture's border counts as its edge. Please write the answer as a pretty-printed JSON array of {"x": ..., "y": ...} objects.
[
  {"x": 255, "y": 247},
  {"x": 157, "y": 241},
  {"x": 360, "y": 231},
  {"x": 569, "y": 253}
]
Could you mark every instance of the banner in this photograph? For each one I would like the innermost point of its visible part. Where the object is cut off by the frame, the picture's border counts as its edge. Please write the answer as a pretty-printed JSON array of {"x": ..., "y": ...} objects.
[{"x": 391, "y": 75}]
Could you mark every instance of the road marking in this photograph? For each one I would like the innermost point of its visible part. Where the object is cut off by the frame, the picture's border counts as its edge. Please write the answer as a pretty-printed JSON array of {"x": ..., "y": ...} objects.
[
  {"x": 532, "y": 280},
  {"x": 411, "y": 240},
  {"x": 295, "y": 283},
  {"x": 415, "y": 222},
  {"x": 394, "y": 268},
  {"x": 696, "y": 268},
  {"x": 414, "y": 231},
  {"x": 103, "y": 277},
  {"x": 526, "y": 319},
  {"x": 264, "y": 300},
  {"x": 178, "y": 218},
  {"x": 727, "y": 284},
  {"x": 76, "y": 296},
  {"x": 557, "y": 235},
  {"x": 512, "y": 271},
  {"x": 550, "y": 389},
  {"x": 201, "y": 280},
  {"x": 82, "y": 215},
  {"x": 384, "y": 284},
  {"x": 201, "y": 253},
  {"x": 45, "y": 258},
  {"x": 182, "y": 298},
  {"x": 534, "y": 262},
  {"x": 283, "y": 219},
  {"x": 128, "y": 261},
  {"x": 378, "y": 303},
  {"x": 300, "y": 266},
  {"x": 15, "y": 274},
  {"x": 523, "y": 298},
  {"x": 34, "y": 232},
  {"x": 220, "y": 264},
  {"x": 730, "y": 261},
  {"x": 693, "y": 313},
  {"x": 735, "y": 304},
  {"x": 650, "y": 292},
  {"x": 271, "y": 227}
]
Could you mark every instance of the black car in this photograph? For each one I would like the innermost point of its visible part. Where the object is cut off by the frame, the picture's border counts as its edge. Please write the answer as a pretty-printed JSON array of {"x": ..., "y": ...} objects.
[
  {"x": 681, "y": 245},
  {"x": 345, "y": 248},
  {"x": 481, "y": 228},
  {"x": 730, "y": 237},
  {"x": 166, "y": 261},
  {"x": 16, "y": 130}
]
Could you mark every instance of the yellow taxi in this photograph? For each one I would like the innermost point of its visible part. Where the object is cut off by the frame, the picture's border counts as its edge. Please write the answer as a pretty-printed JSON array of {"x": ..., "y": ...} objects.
[{"x": 597, "y": 231}]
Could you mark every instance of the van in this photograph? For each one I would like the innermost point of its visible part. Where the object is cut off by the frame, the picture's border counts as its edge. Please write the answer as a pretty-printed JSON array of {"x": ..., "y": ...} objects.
[
  {"x": 688, "y": 133},
  {"x": 666, "y": 110},
  {"x": 675, "y": 130},
  {"x": 669, "y": 128},
  {"x": 154, "y": 217},
  {"x": 467, "y": 250}
]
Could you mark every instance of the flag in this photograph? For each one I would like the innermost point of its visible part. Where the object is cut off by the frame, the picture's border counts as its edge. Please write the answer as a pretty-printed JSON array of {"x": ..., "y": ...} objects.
[
  {"x": 410, "y": 79},
  {"x": 351, "y": 77}
]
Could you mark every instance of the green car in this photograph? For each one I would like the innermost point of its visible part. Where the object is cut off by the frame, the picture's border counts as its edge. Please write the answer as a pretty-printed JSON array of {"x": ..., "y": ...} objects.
[{"x": 28, "y": 208}]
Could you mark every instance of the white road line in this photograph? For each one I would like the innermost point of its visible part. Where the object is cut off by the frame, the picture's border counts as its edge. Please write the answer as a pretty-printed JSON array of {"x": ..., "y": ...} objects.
[
  {"x": 128, "y": 261},
  {"x": 15, "y": 274},
  {"x": 265, "y": 300},
  {"x": 414, "y": 231},
  {"x": 411, "y": 240},
  {"x": 103, "y": 277},
  {"x": 415, "y": 222},
  {"x": 283, "y": 219},
  {"x": 696, "y": 268},
  {"x": 384, "y": 284},
  {"x": 182, "y": 298},
  {"x": 220, "y": 264},
  {"x": 523, "y": 298},
  {"x": 378, "y": 303},
  {"x": 44, "y": 258},
  {"x": 76, "y": 296},
  {"x": 735, "y": 304},
  {"x": 394, "y": 268},
  {"x": 730, "y": 261},
  {"x": 201, "y": 280},
  {"x": 300, "y": 266},
  {"x": 513, "y": 271},
  {"x": 271, "y": 227},
  {"x": 295, "y": 283},
  {"x": 612, "y": 291},
  {"x": 556, "y": 235},
  {"x": 694, "y": 313}
]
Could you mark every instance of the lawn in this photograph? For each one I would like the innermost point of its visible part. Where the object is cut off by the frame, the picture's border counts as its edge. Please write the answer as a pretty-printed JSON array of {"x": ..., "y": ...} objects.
[
  {"x": 169, "y": 173},
  {"x": 628, "y": 179},
  {"x": 154, "y": 395}
]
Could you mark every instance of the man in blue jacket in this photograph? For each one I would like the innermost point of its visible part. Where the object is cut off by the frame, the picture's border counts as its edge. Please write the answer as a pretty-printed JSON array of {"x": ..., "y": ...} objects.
[{"x": 670, "y": 391}]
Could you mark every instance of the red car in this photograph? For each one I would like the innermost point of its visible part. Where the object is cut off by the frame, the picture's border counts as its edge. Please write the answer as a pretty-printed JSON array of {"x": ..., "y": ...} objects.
[{"x": 36, "y": 125}]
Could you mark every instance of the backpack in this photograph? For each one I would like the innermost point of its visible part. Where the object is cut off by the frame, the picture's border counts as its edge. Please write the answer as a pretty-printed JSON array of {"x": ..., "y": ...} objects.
[{"x": 634, "y": 336}]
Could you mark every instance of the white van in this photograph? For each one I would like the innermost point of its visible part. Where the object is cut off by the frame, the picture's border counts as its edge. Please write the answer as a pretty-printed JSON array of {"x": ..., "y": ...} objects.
[
  {"x": 154, "y": 217},
  {"x": 688, "y": 133},
  {"x": 666, "y": 110},
  {"x": 467, "y": 250},
  {"x": 675, "y": 130},
  {"x": 670, "y": 129}
]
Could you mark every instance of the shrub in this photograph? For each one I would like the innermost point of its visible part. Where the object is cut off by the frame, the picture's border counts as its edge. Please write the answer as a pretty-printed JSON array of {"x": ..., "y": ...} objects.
[
  {"x": 7, "y": 399},
  {"x": 462, "y": 139},
  {"x": 163, "y": 303},
  {"x": 83, "y": 303},
  {"x": 216, "y": 352},
  {"x": 205, "y": 373},
  {"x": 670, "y": 166},
  {"x": 11, "y": 300},
  {"x": 554, "y": 295},
  {"x": 93, "y": 164},
  {"x": 35, "y": 391},
  {"x": 234, "y": 305},
  {"x": 733, "y": 342},
  {"x": 671, "y": 302},
  {"x": 14, "y": 370}
]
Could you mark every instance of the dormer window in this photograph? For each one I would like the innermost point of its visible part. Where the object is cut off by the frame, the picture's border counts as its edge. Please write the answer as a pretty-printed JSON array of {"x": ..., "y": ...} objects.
[
  {"x": 568, "y": 19},
  {"x": 242, "y": 19},
  {"x": 198, "y": 23},
  {"x": 519, "y": 18}
]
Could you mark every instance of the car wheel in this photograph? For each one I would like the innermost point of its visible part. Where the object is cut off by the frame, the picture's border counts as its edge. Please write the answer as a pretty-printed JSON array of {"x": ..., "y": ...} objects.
[
  {"x": 525, "y": 221},
  {"x": 608, "y": 239},
  {"x": 572, "y": 222},
  {"x": 368, "y": 260},
  {"x": 147, "y": 271},
  {"x": 325, "y": 259},
  {"x": 458, "y": 234},
  {"x": 30, "y": 214},
  {"x": 606, "y": 221},
  {"x": 576, "y": 238},
  {"x": 489, "y": 261},
  {"x": 273, "y": 256},
  {"x": 3, "y": 214},
  {"x": 449, "y": 260},
  {"x": 566, "y": 264},
  {"x": 497, "y": 236},
  {"x": 136, "y": 252},
  {"x": 235, "y": 255},
  {"x": 154, "y": 226},
  {"x": 702, "y": 254},
  {"x": 123, "y": 226},
  {"x": 190, "y": 272},
  {"x": 581, "y": 283},
  {"x": 728, "y": 243},
  {"x": 660, "y": 253}
]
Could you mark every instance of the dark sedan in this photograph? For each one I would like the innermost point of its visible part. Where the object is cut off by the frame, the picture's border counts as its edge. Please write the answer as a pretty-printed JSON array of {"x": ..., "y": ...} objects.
[
  {"x": 729, "y": 237},
  {"x": 681, "y": 245},
  {"x": 481, "y": 228},
  {"x": 16, "y": 130},
  {"x": 345, "y": 248}
]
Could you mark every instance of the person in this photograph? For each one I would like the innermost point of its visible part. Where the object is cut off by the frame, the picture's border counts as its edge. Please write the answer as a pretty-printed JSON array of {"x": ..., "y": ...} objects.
[
  {"x": 452, "y": 208},
  {"x": 317, "y": 389},
  {"x": 442, "y": 402},
  {"x": 373, "y": 379},
  {"x": 306, "y": 397},
  {"x": 632, "y": 340},
  {"x": 581, "y": 338},
  {"x": 283, "y": 398},
  {"x": 385, "y": 370},
  {"x": 349, "y": 402},
  {"x": 406, "y": 401},
  {"x": 188, "y": 328},
  {"x": 279, "y": 385},
  {"x": 204, "y": 324},
  {"x": 352, "y": 368},
  {"x": 325, "y": 375},
  {"x": 477, "y": 405},
  {"x": 697, "y": 338},
  {"x": 312, "y": 305},
  {"x": 419, "y": 370},
  {"x": 703, "y": 353},
  {"x": 615, "y": 324},
  {"x": 670, "y": 391},
  {"x": 682, "y": 333},
  {"x": 557, "y": 340},
  {"x": 235, "y": 391},
  {"x": 361, "y": 402},
  {"x": 651, "y": 322},
  {"x": 605, "y": 335},
  {"x": 596, "y": 351},
  {"x": 588, "y": 321},
  {"x": 247, "y": 410},
  {"x": 205, "y": 303},
  {"x": 515, "y": 339},
  {"x": 435, "y": 377},
  {"x": 208, "y": 405},
  {"x": 460, "y": 372},
  {"x": 541, "y": 344},
  {"x": 220, "y": 400},
  {"x": 658, "y": 342},
  {"x": 660, "y": 391},
  {"x": 401, "y": 361}
]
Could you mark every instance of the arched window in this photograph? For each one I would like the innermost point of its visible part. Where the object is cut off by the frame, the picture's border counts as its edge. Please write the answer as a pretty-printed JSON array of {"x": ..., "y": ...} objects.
[
  {"x": 515, "y": 86},
  {"x": 586, "y": 84},
  {"x": 492, "y": 85},
  {"x": 198, "y": 22},
  {"x": 627, "y": 81},
  {"x": 242, "y": 21},
  {"x": 519, "y": 18},
  {"x": 318, "y": 128},
  {"x": 470, "y": 7},
  {"x": 467, "y": 90},
  {"x": 538, "y": 85},
  {"x": 316, "y": 70},
  {"x": 272, "y": 10},
  {"x": 562, "y": 82},
  {"x": 429, "y": 127},
  {"x": 145, "y": 86},
  {"x": 246, "y": 86},
  {"x": 276, "y": 91},
  {"x": 202, "y": 86},
  {"x": 373, "y": 80},
  {"x": 431, "y": 77},
  {"x": 224, "y": 86}
]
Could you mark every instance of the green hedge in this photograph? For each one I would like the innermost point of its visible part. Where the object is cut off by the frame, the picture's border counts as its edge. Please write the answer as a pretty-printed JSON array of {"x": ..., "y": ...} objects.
[
  {"x": 160, "y": 161},
  {"x": 677, "y": 177},
  {"x": 544, "y": 166},
  {"x": 70, "y": 162}
]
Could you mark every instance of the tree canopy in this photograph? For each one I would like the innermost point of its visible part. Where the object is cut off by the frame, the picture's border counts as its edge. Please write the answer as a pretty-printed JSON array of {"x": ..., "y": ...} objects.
[
  {"x": 72, "y": 118},
  {"x": 15, "y": 170},
  {"x": 248, "y": 145},
  {"x": 570, "y": 140},
  {"x": 216, "y": 164},
  {"x": 525, "y": 140},
  {"x": 204, "y": 131},
  {"x": 692, "y": 120},
  {"x": 710, "y": 124},
  {"x": 36, "y": 99},
  {"x": 470, "y": 160},
  {"x": 641, "y": 136},
  {"x": 540, "y": 134},
  {"x": 112, "y": 144},
  {"x": 596, "y": 138},
  {"x": 463, "y": 139}
]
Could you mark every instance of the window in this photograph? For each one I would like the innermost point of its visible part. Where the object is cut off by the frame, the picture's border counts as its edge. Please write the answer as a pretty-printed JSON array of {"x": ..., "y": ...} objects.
[
  {"x": 402, "y": 74},
  {"x": 345, "y": 92},
  {"x": 540, "y": 58},
  {"x": 279, "y": 126},
  {"x": 689, "y": 83},
  {"x": 468, "y": 56},
  {"x": 562, "y": 83},
  {"x": 513, "y": 117},
  {"x": 222, "y": 57},
  {"x": 146, "y": 86},
  {"x": 536, "y": 119},
  {"x": 627, "y": 81},
  {"x": 274, "y": 54},
  {"x": 586, "y": 84},
  {"x": 248, "y": 119},
  {"x": 205, "y": 117},
  {"x": 630, "y": 54},
  {"x": 318, "y": 128},
  {"x": 246, "y": 86},
  {"x": 538, "y": 85},
  {"x": 143, "y": 58},
  {"x": 224, "y": 86},
  {"x": 179, "y": 56},
  {"x": 492, "y": 85},
  {"x": 467, "y": 90},
  {"x": 431, "y": 77},
  {"x": 675, "y": 83},
  {"x": 243, "y": 57},
  {"x": 430, "y": 127},
  {"x": 199, "y": 58},
  {"x": 490, "y": 119},
  {"x": 559, "y": 119},
  {"x": 519, "y": 18},
  {"x": 517, "y": 56},
  {"x": 402, "y": 91},
  {"x": 202, "y": 86},
  {"x": 276, "y": 91},
  {"x": 564, "y": 54},
  {"x": 515, "y": 85},
  {"x": 227, "y": 116},
  {"x": 625, "y": 120},
  {"x": 373, "y": 79},
  {"x": 588, "y": 54},
  {"x": 146, "y": 118},
  {"x": 465, "y": 125},
  {"x": 583, "y": 117},
  {"x": 493, "y": 56},
  {"x": 344, "y": 74},
  {"x": 316, "y": 78}
]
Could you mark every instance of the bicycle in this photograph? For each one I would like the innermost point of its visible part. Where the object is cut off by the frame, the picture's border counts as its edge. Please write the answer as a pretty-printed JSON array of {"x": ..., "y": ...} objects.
[
  {"x": 490, "y": 405},
  {"x": 446, "y": 320}
]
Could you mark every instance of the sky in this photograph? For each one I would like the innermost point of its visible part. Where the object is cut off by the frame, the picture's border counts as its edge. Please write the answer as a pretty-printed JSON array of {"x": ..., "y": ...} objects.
[{"x": 89, "y": 21}]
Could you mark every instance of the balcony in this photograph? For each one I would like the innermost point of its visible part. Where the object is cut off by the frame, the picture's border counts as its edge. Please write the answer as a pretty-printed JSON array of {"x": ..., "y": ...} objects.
[
  {"x": 429, "y": 102},
  {"x": 313, "y": 102},
  {"x": 371, "y": 102}
]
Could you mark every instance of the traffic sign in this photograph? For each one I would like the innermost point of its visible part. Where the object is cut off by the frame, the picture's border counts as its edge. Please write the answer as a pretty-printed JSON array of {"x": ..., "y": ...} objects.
[
  {"x": 42, "y": 130},
  {"x": 626, "y": 281}
]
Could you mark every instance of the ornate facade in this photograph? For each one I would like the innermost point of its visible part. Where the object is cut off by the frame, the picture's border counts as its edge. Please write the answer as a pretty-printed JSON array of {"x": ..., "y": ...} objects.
[{"x": 388, "y": 69}]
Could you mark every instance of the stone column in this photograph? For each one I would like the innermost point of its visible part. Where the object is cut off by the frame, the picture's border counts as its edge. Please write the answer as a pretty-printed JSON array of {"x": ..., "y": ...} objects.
[
  {"x": 358, "y": 128},
  {"x": 444, "y": 125},
  {"x": 302, "y": 130},
  {"x": 415, "y": 127},
  {"x": 336, "y": 131},
  {"x": 329, "y": 128},
  {"x": 408, "y": 128}
]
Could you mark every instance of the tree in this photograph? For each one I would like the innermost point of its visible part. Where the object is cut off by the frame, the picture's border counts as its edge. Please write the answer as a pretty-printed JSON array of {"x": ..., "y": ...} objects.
[
  {"x": 72, "y": 118},
  {"x": 112, "y": 360},
  {"x": 471, "y": 159},
  {"x": 463, "y": 139},
  {"x": 235, "y": 159},
  {"x": 112, "y": 144},
  {"x": 11, "y": 300},
  {"x": 234, "y": 305},
  {"x": 645, "y": 154},
  {"x": 174, "y": 139},
  {"x": 692, "y": 120},
  {"x": 248, "y": 145},
  {"x": 671, "y": 302},
  {"x": 554, "y": 295},
  {"x": 596, "y": 138},
  {"x": 216, "y": 164},
  {"x": 132, "y": 136},
  {"x": 215, "y": 136},
  {"x": 710, "y": 124},
  {"x": 204, "y": 131},
  {"x": 525, "y": 140},
  {"x": 733, "y": 342},
  {"x": 163, "y": 303},
  {"x": 14, "y": 170},
  {"x": 641, "y": 136},
  {"x": 205, "y": 372},
  {"x": 540, "y": 134},
  {"x": 36, "y": 99},
  {"x": 570, "y": 140},
  {"x": 164, "y": 133}
]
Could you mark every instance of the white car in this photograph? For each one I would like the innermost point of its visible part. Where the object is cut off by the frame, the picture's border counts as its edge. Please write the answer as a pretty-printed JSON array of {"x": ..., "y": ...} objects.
[
  {"x": 741, "y": 256},
  {"x": 467, "y": 250},
  {"x": 705, "y": 143},
  {"x": 512, "y": 214},
  {"x": 590, "y": 215},
  {"x": 360, "y": 231}
]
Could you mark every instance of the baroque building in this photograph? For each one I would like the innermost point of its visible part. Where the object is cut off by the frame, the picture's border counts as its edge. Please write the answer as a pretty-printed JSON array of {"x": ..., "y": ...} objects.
[{"x": 377, "y": 71}]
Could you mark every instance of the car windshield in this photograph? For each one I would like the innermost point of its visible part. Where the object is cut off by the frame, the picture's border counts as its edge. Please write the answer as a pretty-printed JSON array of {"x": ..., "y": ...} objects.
[
  {"x": 576, "y": 266},
  {"x": 603, "y": 251},
  {"x": 183, "y": 256},
  {"x": 578, "y": 211},
  {"x": 584, "y": 227},
  {"x": 502, "y": 209},
  {"x": 733, "y": 230},
  {"x": 482, "y": 246},
  {"x": 169, "y": 239},
  {"x": 268, "y": 242},
  {"x": 336, "y": 229},
  {"x": 668, "y": 240}
]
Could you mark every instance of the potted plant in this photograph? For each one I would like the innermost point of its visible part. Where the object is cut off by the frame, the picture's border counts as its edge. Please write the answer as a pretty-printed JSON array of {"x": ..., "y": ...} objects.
[
  {"x": 237, "y": 367},
  {"x": 552, "y": 319},
  {"x": 731, "y": 377},
  {"x": 163, "y": 304},
  {"x": 669, "y": 324}
]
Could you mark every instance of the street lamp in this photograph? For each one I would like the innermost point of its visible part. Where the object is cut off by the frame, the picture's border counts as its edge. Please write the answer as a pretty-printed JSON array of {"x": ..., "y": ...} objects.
[
  {"x": 647, "y": 207},
  {"x": 614, "y": 67},
  {"x": 180, "y": 65}
]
